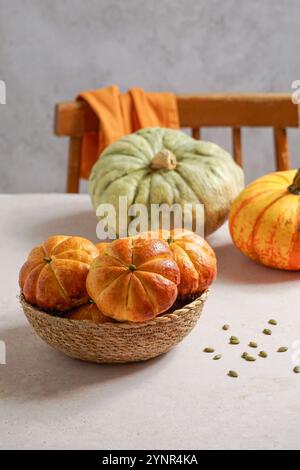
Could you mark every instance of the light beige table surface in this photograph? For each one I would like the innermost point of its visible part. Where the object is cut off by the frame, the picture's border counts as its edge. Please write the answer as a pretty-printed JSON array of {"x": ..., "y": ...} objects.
[{"x": 182, "y": 400}]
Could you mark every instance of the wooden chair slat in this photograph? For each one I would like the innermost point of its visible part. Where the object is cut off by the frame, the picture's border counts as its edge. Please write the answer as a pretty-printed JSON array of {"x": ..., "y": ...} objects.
[
  {"x": 217, "y": 110},
  {"x": 281, "y": 149},
  {"x": 237, "y": 110},
  {"x": 74, "y": 119},
  {"x": 196, "y": 133},
  {"x": 73, "y": 177},
  {"x": 276, "y": 110},
  {"x": 237, "y": 145}
]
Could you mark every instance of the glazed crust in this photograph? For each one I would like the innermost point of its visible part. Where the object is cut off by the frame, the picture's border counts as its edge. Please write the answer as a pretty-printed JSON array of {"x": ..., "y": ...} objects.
[
  {"x": 89, "y": 312},
  {"x": 134, "y": 279},
  {"x": 54, "y": 275},
  {"x": 195, "y": 258}
]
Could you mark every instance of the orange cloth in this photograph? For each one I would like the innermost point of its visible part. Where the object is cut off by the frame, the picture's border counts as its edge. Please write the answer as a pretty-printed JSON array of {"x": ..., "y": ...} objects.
[{"x": 123, "y": 113}]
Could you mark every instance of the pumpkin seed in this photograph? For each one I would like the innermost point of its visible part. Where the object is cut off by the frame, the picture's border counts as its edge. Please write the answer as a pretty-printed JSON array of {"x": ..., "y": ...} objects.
[
  {"x": 263, "y": 354},
  {"x": 234, "y": 340},
  {"x": 297, "y": 370},
  {"x": 225, "y": 327},
  {"x": 250, "y": 358},
  {"x": 252, "y": 344},
  {"x": 267, "y": 332},
  {"x": 273, "y": 322},
  {"x": 244, "y": 355},
  {"x": 209, "y": 350},
  {"x": 282, "y": 349},
  {"x": 217, "y": 357},
  {"x": 233, "y": 374}
]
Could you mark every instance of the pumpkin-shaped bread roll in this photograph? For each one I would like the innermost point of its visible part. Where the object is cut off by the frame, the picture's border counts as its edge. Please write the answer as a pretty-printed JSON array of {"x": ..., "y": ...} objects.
[
  {"x": 54, "y": 275},
  {"x": 89, "y": 312},
  {"x": 134, "y": 279},
  {"x": 195, "y": 258},
  {"x": 101, "y": 246}
]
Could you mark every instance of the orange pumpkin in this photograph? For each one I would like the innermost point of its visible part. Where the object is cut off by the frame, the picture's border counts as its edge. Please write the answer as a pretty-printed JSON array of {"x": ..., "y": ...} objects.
[
  {"x": 54, "y": 275},
  {"x": 195, "y": 258},
  {"x": 89, "y": 312},
  {"x": 133, "y": 279},
  {"x": 265, "y": 220}
]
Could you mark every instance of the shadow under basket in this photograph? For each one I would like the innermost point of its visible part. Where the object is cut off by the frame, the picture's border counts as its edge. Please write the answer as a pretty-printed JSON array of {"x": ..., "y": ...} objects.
[{"x": 115, "y": 342}]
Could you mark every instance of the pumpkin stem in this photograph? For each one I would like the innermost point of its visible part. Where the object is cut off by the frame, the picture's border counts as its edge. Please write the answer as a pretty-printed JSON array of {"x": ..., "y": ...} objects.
[
  {"x": 164, "y": 160},
  {"x": 295, "y": 186},
  {"x": 132, "y": 267},
  {"x": 170, "y": 241},
  {"x": 47, "y": 259}
]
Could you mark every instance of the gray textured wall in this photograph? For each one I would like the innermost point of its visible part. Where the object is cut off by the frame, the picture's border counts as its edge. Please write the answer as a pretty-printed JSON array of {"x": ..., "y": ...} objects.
[{"x": 52, "y": 49}]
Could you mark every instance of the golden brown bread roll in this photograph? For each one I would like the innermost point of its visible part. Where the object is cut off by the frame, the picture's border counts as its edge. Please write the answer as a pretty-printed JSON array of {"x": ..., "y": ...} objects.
[
  {"x": 54, "y": 275},
  {"x": 89, "y": 312},
  {"x": 194, "y": 256},
  {"x": 134, "y": 279}
]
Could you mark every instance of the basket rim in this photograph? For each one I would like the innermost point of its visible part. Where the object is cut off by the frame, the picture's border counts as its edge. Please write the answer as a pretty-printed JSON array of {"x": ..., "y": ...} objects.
[{"x": 118, "y": 325}]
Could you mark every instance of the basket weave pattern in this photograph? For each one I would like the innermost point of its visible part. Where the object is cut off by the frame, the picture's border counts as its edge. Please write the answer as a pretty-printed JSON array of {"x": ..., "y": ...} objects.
[{"x": 115, "y": 342}]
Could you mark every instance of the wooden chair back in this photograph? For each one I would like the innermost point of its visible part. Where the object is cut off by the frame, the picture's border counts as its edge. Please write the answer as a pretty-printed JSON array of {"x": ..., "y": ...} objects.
[{"x": 276, "y": 110}]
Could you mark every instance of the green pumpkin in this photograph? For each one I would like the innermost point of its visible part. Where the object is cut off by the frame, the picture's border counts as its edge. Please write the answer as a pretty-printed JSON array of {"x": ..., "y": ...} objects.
[{"x": 164, "y": 166}]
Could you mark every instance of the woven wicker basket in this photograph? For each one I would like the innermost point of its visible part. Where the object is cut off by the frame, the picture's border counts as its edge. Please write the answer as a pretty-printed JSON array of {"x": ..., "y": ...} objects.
[{"x": 115, "y": 342}]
